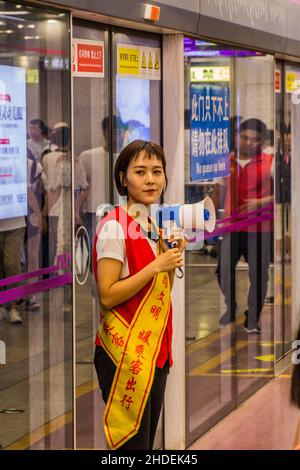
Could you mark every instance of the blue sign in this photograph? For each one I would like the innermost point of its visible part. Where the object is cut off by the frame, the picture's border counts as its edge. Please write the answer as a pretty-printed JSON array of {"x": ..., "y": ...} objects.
[{"x": 210, "y": 131}]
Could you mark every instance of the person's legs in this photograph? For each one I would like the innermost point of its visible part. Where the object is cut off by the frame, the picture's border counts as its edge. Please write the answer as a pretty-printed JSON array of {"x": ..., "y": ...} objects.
[
  {"x": 33, "y": 264},
  {"x": 228, "y": 257},
  {"x": 157, "y": 398},
  {"x": 13, "y": 241},
  {"x": 258, "y": 260},
  {"x": 144, "y": 438},
  {"x": 52, "y": 238},
  {"x": 105, "y": 371}
]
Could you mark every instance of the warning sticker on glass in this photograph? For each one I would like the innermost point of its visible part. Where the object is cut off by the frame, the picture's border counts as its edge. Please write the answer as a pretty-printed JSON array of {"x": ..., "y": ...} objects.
[
  {"x": 87, "y": 58},
  {"x": 139, "y": 61}
]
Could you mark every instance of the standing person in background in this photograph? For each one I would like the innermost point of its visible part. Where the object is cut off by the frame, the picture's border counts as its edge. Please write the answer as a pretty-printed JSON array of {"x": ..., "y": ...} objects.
[
  {"x": 134, "y": 272},
  {"x": 38, "y": 138},
  {"x": 57, "y": 167},
  {"x": 96, "y": 165},
  {"x": 253, "y": 190},
  {"x": 36, "y": 190}
]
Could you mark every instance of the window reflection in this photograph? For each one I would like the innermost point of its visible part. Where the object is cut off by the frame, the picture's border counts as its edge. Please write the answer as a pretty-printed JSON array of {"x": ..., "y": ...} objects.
[
  {"x": 35, "y": 238},
  {"x": 229, "y": 277}
]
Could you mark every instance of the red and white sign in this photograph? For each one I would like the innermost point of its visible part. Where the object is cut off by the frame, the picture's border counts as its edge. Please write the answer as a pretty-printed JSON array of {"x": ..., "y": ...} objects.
[
  {"x": 87, "y": 58},
  {"x": 277, "y": 81}
]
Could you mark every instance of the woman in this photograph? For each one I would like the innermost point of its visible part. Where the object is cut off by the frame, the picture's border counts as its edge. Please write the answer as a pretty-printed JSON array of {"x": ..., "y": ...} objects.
[
  {"x": 57, "y": 167},
  {"x": 295, "y": 388},
  {"x": 135, "y": 272}
]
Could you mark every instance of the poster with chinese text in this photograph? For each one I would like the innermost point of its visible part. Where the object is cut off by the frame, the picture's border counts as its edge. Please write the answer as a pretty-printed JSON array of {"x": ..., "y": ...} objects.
[{"x": 209, "y": 131}]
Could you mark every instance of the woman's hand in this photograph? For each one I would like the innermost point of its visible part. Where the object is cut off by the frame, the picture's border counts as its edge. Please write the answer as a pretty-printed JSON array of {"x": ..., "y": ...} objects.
[
  {"x": 181, "y": 242},
  {"x": 169, "y": 260},
  {"x": 176, "y": 235}
]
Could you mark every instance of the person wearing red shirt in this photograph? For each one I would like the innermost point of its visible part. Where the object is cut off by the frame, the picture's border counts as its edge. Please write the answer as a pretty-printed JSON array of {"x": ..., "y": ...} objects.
[{"x": 248, "y": 189}]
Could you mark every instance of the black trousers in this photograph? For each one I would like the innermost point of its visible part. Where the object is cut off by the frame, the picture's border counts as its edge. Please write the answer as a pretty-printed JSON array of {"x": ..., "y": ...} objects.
[
  {"x": 144, "y": 438},
  {"x": 256, "y": 249}
]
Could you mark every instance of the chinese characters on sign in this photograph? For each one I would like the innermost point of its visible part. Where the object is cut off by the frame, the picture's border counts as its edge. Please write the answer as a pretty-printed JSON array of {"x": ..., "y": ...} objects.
[
  {"x": 139, "y": 61},
  {"x": 210, "y": 131},
  {"x": 87, "y": 58},
  {"x": 13, "y": 154}
]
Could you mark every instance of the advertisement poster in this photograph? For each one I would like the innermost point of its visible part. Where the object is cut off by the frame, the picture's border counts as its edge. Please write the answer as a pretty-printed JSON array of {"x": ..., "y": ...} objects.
[
  {"x": 87, "y": 58},
  {"x": 139, "y": 61},
  {"x": 134, "y": 112},
  {"x": 210, "y": 131},
  {"x": 13, "y": 155}
]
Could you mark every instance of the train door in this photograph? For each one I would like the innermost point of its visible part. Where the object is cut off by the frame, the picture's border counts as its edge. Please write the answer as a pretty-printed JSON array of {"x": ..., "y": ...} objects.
[
  {"x": 36, "y": 324},
  {"x": 229, "y": 273},
  {"x": 287, "y": 84},
  {"x": 116, "y": 99}
]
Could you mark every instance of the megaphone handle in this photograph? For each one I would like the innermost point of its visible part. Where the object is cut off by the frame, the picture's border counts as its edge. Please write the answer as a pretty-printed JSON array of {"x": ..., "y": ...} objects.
[
  {"x": 181, "y": 272},
  {"x": 174, "y": 245}
]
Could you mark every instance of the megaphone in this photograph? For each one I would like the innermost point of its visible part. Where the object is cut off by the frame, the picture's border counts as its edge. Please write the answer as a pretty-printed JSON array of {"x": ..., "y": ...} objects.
[{"x": 198, "y": 216}]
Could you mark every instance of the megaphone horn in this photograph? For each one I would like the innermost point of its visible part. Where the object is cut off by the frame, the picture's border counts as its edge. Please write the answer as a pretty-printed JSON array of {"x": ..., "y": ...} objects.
[{"x": 199, "y": 216}]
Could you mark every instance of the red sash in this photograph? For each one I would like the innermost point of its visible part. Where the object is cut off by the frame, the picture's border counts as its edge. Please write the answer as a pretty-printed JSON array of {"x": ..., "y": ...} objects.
[{"x": 139, "y": 254}]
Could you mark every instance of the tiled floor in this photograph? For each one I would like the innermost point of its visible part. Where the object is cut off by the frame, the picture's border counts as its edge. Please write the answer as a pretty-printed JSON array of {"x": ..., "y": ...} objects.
[{"x": 266, "y": 421}]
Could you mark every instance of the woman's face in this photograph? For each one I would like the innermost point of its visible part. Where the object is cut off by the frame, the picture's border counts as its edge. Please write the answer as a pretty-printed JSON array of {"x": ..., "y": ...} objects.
[{"x": 145, "y": 179}]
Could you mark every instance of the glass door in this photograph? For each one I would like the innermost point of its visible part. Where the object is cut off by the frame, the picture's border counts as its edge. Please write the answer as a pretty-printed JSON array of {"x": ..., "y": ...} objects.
[
  {"x": 36, "y": 324},
  {"x": 287, "y": 90},
  {"x": 116, "y": 99},
  {"x": 210, "y": 325},
  {"x": 229, "y": 273},
  {"x": 136, "y": 78},
  {"x": 254, "y": 196},
  {"x": 91, "y": 135}
]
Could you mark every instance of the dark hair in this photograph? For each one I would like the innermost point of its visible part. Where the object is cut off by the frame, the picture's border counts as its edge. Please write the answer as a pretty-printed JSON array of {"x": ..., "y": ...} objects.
[
  {"x": 130, "y": 152},
  {"x": 60, "y": 136},
  {"x": 254, "y": 125},
  {"x": 116, "y": 122},
  {"x": 43, "y": 128},
  {"x": 295, "y": 385}
]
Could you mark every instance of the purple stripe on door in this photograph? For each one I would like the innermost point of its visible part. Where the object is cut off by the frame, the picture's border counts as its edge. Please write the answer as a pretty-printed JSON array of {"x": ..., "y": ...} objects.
[
  {"x": 245, "y": 215},
  {"x": 25, "y": 276},
  {"x": 236, "y": 226},
  {"x": 40, "y": 286}
]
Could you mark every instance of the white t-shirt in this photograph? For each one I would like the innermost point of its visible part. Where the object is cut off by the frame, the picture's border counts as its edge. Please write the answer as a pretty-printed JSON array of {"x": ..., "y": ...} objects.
[
  {"x": 96, "y": 164},
  {"x": 57, "y": 169},
  {"x": 37, "y": 148},
  {"x": 111, "y": 244}
]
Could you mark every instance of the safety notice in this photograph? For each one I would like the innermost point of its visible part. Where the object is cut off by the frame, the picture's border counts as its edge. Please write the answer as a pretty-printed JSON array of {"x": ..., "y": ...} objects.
[
  {"x": 139, "y": 61},
  {"x": 87, "y": 58}
]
